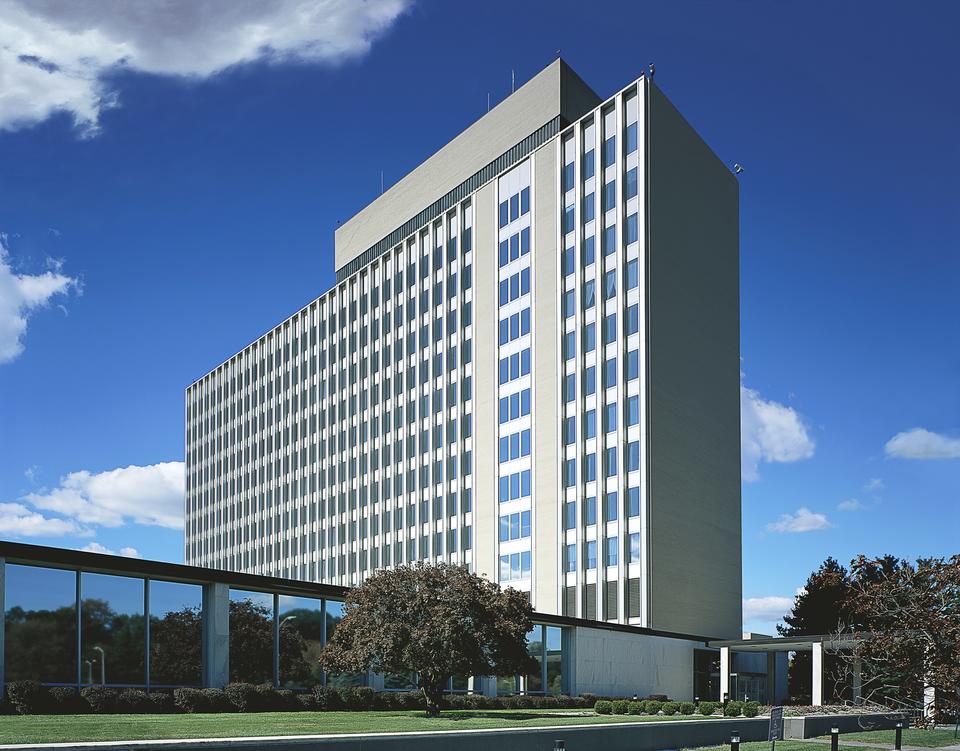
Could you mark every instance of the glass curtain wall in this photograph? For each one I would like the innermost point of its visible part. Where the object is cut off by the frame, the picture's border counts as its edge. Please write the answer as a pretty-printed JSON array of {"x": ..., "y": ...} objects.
[
  {"x": 301, "y": 639},
  {"x": 112, "y": 638},
  {"x": 176, "y": 633},
  {"x": 251, "y": 637}
]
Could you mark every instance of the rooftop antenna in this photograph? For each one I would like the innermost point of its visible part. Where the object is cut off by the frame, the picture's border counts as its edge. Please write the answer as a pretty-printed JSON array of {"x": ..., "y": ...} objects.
[
  {"x": 652, "y": 69},
  {"x": 381, "y": 182},
  {"x": 488, "y": 101},
  {"x": 513, "y": 81},
  {"x": 737, "y": 169}
]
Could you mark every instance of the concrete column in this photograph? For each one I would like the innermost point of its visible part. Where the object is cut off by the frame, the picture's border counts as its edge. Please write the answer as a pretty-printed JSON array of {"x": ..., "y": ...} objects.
[
  {"x": 725, "y": 673},
  {"x": 771, "y": 678},
  {"x": 216, "y": 635},
  {"x": 817, "y": 682},
  {"x": 857, "y": 687}
]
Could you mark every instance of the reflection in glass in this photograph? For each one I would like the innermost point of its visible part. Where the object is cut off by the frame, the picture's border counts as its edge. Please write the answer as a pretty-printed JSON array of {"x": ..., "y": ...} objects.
[
  {"x": 506, "y": 685},
  {"x": 301, "y": 632},
  {"x": 534, "y": 682},
  {"x": 251, "y": 637},
  {"x": 176, "y": 633},
  {"x": 554, "y": 656},
  {"x": 41, "y": 624},
  {"x": 400, "y": 681},
  {"x": 334, "y": 614},
  {"x": 112, "y": 639}
]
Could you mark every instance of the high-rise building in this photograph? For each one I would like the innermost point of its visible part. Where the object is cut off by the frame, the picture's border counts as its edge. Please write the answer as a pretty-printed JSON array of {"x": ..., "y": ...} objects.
[{"x": 529, "y": 364}]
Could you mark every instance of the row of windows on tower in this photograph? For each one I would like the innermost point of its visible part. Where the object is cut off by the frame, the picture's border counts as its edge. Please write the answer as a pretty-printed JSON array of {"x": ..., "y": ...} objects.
[
  {"x": 632, "y": 414},
  {"x": 515, "y": 206},
  {"x": 631, "y": 450},
  {"x": 612, "y": 549},
  {"x": 515, "y": 246}
]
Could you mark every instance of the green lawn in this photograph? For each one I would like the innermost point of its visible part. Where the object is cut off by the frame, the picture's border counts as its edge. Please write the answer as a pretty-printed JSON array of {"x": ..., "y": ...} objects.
[
  {"x": 62, "y": 728},
  {"x": 911, "y": 737},
  {"x": 785, "y": 746}
]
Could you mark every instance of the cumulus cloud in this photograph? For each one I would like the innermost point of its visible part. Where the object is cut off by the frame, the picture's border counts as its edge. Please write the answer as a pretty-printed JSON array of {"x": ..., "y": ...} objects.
[
  {"x": 96, "y": 547},
  {"x": 919, "y": 443},
  {"x": 58, "y": 56},
  {"x": 22, "y": 294},
  {"x": 771, "y": 608},
  {"x": 769, "y": 432},
  {"x": 151, "y": 495},
  {"x": 851, "y": 504},
  {"x": 874, "y": 484},
  {"x": 803, "y": 521},
  {"x": 16, "y": 520}
]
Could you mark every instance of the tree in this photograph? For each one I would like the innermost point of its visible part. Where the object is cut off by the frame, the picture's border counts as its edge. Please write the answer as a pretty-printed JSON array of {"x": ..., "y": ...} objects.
[
  {"x": 435, "y": 620},
  {"x": 817, "y": 609},
  {"x": 909, "y": 618}
]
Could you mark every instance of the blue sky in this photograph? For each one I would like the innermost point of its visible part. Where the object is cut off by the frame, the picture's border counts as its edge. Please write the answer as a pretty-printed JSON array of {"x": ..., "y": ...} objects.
[{"x": 168, "y": 191}]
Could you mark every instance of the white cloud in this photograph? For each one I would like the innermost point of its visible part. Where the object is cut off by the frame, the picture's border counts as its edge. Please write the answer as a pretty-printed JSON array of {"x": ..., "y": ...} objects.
[
  {"x": 919, "y": 443},
  {"x": 771, "y": 608},
  {"x": 803, "y": 521},
  {"x": 851, "y": 504},
  {"x": 769, "y": 432},
  {"x": 151, "y": 495},
  {"x": 22, "y": 294},
  {"x": 874, "y": 484},
  {"x": 96, "y": 547},
  {"x": 16, "y": 520},
  {"x": 58, "y": 56}
]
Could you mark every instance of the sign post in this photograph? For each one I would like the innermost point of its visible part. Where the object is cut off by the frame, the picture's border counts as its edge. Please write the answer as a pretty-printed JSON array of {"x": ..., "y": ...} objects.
[{"x": 776, "y": 727}]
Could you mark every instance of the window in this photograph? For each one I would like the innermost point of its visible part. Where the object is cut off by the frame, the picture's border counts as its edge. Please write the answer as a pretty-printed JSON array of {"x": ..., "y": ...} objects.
[
  {"x": 589, "y": 337},
  {"x": 610, "y": 418},
  {"x": 590, "y": 511},
  {"x": 569, "y": 304},
  {"x": 589, "y": 294},
  {"x": 633, "y": 410},
  {"x": 612, "y": 551},
  {"x": 590, "y": 468},
  {"x": 569, "y": 515},
  {"x": 568, "y": 262},
  {"x": 569, "y": 387},
  {"x": 590, "y": 424},
  {"x": 633, "y": 365},
  {"x": 570, "y": 557},
  {"x": 569, "y": 473},
  {"x": 633, "y": 319},
  {"x": 633, "y": 502},
  {"x": 611, "y": 506},
  {"x": 609, "y": 195},
  {"x": 630, "y": 184},
  {"x": 569, "y": 431},
  {"x": 609, "y": 284},
  {"x": 569, "y": 345},
  {"x": 633, "y": 274},
  {"x": 632, "y": 231},
  {"x": 635, "y": 548},
  {"x": 588, "y": 250},
  {"x": 504, "y": 214},
  {"x": 610, "y": 328},
  {"x": 590, "y": 381},
  {"x": 591, "y": 554},
  {"x": 588, "y": 208},
  {"x": 609, "y": 239},
  {"x": 633, "y": 456},
  {"x": 611, "y": 461},
  {"x": 514, "y": 526},
  {"x": 610, "y": 373}
]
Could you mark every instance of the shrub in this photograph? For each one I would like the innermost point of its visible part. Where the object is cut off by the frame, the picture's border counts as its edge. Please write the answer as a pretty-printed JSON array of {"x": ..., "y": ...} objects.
[
  {"x": 100, "y": 699},
  {"x": 64, "y": 700},
  {"x": 133, "y": 701},
  {"x": 751, "y": 709},
  {"x": 215, "y": 700},
  {"x": 621, "y": 706},
  {"x": 603, "y": 707},
  {"x": 670, "y": 707},
  {"x": 243, "y": 696},
  {"x": 733, "y": 709},
  {"x": 327, "y": 698},
  {"x": 687, "y": 707},
  {"x": 161, "y": 702},
  {"x": 635, "y": 707},
  {"x": 307, "y": 702},
  {"x": 652, "y": 706},
  {"x": 189, "y": 700},
  {"x": 707, "y": 708},
  {"x": 25, "y": 696},
  {"x": 357, "y": 698}
]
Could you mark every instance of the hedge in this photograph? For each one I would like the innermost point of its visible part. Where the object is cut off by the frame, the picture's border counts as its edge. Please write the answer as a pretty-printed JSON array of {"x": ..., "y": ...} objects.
[
  {"x": 687, "y": 707},
  {"x": 707, "y": 708},
  {"x": 603, "y": 707},
  {"x": 29, "y": 697},
  {"x": 670, "y": 708}
]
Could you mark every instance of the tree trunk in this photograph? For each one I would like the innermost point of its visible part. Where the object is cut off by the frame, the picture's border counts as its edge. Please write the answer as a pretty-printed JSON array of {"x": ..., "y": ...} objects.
[{"x": 433, "y": 695}]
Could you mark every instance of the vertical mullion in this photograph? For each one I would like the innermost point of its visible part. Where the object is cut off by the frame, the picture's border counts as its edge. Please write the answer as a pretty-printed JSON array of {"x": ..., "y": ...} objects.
[
  {"x": 77, "y": 605},
  {"x": 276, "y": 640},
  {"x": 146, "y": 632}
]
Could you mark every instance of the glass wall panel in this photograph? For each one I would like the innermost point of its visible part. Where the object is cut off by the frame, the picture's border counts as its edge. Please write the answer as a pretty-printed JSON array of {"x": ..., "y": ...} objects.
[
  {"x": 41, "y": 624},
  {"x": 334, "y": 614},
  {"x": 534, "y": 683},
  {"x": 112, "y": 638},
  {"x": 301, "y": 634},
  {"x": 400, "y": 682},
  {"x": 554, "y": 660},
  {"x": 176, "y": 633},
  {"x": 251, "y": 636},
  {"x": 506, "y": 685}
]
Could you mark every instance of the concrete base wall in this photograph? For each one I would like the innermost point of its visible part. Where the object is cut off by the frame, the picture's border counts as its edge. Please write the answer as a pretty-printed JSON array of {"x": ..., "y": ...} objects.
[
  {"x": 817, "y": 725},
  {"x": 616, "y": 663}
]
